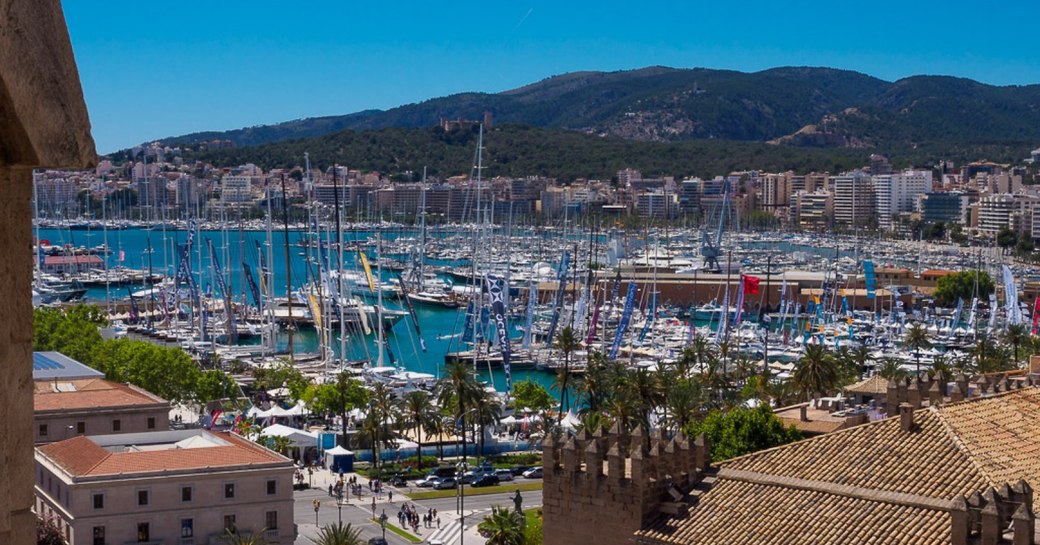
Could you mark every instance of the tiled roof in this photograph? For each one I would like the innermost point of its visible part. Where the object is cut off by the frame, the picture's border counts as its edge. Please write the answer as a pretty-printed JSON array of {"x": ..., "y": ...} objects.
[
  {"x": 875, "y": 385},
  {"x": 82, "y": 457},
  {"x": 88, "y": 394},
  {"x": 873, "y": 483}
]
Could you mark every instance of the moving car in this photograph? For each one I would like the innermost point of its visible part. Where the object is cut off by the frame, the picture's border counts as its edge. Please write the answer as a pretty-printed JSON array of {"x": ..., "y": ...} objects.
[
  {"x": 504, "y": 475},
  {"x": 427, "y": 481},
  {"x": 444, "y": 483}
]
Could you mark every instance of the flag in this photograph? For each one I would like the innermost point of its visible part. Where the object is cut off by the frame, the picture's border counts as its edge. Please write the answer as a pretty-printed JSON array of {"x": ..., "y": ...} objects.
[
  {"x": 750, "y": 283},
  {"x": 368, "y": 271},
  {"x": 1036, "y": 315},
  {"x": 122, "y": 255},
  {"x": 499, "y": 293},
  {"x": 626, "y": 316},
  {"x": 870, "y": 279}
]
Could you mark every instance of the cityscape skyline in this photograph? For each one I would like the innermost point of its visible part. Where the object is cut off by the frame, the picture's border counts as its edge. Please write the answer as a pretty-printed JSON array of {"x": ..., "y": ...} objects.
[{"x": 149, "y": 72}]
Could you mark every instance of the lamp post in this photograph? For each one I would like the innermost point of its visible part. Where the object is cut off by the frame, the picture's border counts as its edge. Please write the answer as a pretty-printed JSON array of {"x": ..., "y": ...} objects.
[
  {"x": 339, "y": 505},
  {"x": 382, "y": 523},
  {"x": 460, "y": 469},
  {"x": 317, "y": 505}
]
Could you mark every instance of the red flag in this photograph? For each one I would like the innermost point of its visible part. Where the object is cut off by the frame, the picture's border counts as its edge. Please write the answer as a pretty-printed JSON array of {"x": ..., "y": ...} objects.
[
  {"x": 751, "y": 284},
  {"x": 1036, "y": 314}
]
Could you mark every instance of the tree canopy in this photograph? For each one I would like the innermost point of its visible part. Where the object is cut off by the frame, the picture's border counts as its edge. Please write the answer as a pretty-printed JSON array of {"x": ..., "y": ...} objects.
[
  {"x": 741, "y": 431},
  {"x": 961, "y": 285}
]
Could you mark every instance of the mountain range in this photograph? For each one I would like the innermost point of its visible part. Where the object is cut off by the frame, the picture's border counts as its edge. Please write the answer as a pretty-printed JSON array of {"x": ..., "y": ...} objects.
[{"x": 818, "y": 107}]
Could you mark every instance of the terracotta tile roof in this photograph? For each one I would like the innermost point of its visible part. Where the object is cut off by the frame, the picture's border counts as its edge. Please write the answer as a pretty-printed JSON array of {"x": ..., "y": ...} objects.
[
  {"x": 89, "y": 394},
  {"x": 80, "y": 456},
  {"x": 873, "y": 483},
  {"x": 875, "y": 385}
]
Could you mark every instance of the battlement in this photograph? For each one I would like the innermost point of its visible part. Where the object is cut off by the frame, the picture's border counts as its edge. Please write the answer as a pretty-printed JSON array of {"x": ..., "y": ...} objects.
[
  {"x": 607, "y": 484},
  {"x": 1002, "y": 515},
  {"x": 932, "y": 390}
]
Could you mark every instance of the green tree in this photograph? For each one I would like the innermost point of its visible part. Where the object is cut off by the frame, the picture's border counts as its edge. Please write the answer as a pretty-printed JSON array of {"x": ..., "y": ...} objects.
[
  {"x": 72, "y": 331},
  {"x": 503, "y": 526},
  {"x": 281, "y": 374},
  {"x": 48, "y": 533},
  {"x": 891, "y": 369},
  {"x": 961, "y": 285},
  {"x": 916, "y": 339},
  {"x": 457, "y": 389},
  {"x": 531, "y": 395},
  {"x": 817, "y": 372},
  {"x": 1006, "y": 238},
  {"x": 741, "y": 431},
  {"x": 340, "y": 397},
  {"x": 214, "y": 385},
  {"x": 339, "y": 534},
  {"x": 1016, "y": 335},
  {"x": 486, "y": 411},
  {"x": 566, "y": 342}
]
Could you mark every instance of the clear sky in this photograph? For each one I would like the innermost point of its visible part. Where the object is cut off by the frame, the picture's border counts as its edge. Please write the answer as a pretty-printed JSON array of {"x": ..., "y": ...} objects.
[{"x": 155, "y": 69}]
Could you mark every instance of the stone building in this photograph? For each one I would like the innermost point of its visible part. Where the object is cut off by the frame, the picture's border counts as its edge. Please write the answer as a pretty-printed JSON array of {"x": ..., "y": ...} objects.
[
  {"x": 67, "y": 408},
  {"x": 43, "y": 123},
  {"x": 959, "y": 473},
  {"x": 185, "y": 487}
]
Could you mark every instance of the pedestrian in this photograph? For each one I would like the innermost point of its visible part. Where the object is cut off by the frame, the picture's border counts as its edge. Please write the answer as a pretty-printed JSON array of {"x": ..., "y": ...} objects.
[
  {"x": 373, "y": 506},
  {"x": 330, "y": 490},
  {"x": 390, "y": 496},
  {"x": 438, "y": 523}
]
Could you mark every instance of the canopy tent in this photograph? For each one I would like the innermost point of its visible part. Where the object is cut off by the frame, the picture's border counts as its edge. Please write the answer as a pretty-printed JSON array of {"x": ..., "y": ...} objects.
[
  {"x": 276, "y": 410},
  {"x": 297, "y": 438},
  {"x": 338, "y": 451}
]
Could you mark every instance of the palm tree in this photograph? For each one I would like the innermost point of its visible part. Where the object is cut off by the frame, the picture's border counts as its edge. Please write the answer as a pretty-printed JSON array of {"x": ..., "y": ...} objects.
[
  {"x": 338, "y": 534},
  {"x": 890, "y": 369},
  {"x": 817, "y": 371},
  {"x": 916, "y": 338},
  {"x": 702, "y": 350},
  {"x": 684, "y": 400},
  {"x": 486, "y": 410},
  {"x": 382, "y": 411},
  {"x": 456, "y": 390},
  {"x": 419, "y": 412},
  {"x": 232, "y": 537},
  {"x": 503, "y": 526},
  {"x": 566, "y": 342},
  {"x": 1016, "y": 335}
]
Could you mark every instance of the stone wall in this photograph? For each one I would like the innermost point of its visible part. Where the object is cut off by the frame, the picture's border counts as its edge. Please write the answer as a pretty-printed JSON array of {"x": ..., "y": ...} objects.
[{"x": 601, "y": 488}]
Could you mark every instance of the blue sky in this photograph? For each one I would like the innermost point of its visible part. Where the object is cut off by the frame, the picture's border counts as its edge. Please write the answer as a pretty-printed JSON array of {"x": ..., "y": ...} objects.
[{"x": 152, "y": 69}]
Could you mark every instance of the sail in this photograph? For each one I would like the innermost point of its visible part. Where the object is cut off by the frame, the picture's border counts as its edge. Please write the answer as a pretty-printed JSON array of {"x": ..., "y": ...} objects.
[
  {"x": 651, "y": 315},
  {"x": 222, "y": 286},
  {"x": 626, "y": 316},
  {"x": 253, "y": 289},
  {"x": 315, "y": 309},
  {"x": 411, "y": 311},
  {"x": 870, "y": 279},
  {"x": 532, "y": 300},
  {"x": 467, "y": 327},
  {"x": 263, "y": 270},
  {"x": 561, "y": 280},
  {"x": 368, "y": 271}
]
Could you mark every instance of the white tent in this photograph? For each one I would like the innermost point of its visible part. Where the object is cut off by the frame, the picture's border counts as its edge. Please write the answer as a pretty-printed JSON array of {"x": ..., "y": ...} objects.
[
  {"x": 338, "y": 451},
  {"x": 298, "y": 438}
]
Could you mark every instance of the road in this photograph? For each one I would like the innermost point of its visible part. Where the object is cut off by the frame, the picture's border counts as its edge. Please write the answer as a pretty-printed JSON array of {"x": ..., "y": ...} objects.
[{"x": 359, "y": 513}]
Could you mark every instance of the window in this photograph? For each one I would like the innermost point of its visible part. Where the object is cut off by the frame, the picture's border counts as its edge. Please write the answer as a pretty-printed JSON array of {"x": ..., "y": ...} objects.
[
  {"x": 187, "y": 527},
  {"x": 272, "y": 487},
  {"x": 142, "y": 497},
  {"x": 99, "y": 501},
  {"x": 81, "y": 427},
  {"x": 229, "y": 490},
  {"x": 229, "y": 523},
  {"x": 143, "y": 535},
  {"x": 186, "y": 493},
  {"x": 117, "y": 425},
  {"x": 43, "y": 430},
  {"x": 99, "y": 535},
  {"x": 151, "y": 422},
  {"x": 271, "y": 520}
]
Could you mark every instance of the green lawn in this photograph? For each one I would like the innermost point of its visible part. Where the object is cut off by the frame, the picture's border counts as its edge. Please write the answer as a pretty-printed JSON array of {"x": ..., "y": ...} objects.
[
  {"x": 470, "y": 491},
  {"x": 394, "y": 529}
]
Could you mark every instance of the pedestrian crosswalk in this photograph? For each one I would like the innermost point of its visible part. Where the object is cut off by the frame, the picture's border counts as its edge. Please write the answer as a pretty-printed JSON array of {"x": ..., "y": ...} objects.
[{"x": 451, "y": 532}]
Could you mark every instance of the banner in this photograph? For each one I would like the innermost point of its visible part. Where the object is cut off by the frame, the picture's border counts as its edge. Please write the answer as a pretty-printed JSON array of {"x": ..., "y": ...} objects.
[
  {"x": 497, "y": 289},
  {"x": 253, "y": 289},
  {"x": 651, "y": 316},
  {"x": 971, "y": 314},
  {"x": 1014, "y": 314},
  {"x": 561, "y": 281},
  {"x": 263, "y": 270},
  {"x": 1036, "y": 316},
  {"x": 222, "y": 286},
  {"x": 135, "y": 313},
  {"x": 592, "y": 325},
  {"x": 740, "y": 301},
  {"x": 992, "y": 310},
  {"x": 750, "y": 283},
  {"x": 532, "y": 301},
  {"x": 467, "y": 327},
  {"x": 315, "y": 308},
  {"x": 870, "y": 279},
  {"x": 626, "y": 315},
  {"x": 368, "y": 271}
]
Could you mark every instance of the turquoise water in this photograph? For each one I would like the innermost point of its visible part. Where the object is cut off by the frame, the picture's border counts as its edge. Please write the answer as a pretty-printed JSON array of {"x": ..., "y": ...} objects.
[{"x": 436, "y": 324}]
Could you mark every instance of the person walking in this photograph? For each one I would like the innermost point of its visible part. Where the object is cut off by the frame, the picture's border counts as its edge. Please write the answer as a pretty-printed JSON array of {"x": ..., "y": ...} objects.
[{"x": 390, "y": 496}]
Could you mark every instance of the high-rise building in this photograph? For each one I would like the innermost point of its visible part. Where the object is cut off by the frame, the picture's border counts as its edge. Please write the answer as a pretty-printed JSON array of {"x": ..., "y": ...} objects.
[
  {"x": 811, "y": 210},
  {"x": 853, "y": 199},
  {"x": 995, "y": 213},
  {"x": 943, "y": 206},
  {"x": 897, "y": 193}
]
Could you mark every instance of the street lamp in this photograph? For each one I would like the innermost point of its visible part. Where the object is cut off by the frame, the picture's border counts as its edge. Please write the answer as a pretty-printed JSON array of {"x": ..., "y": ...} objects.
[
  {"x": 460, "y": 470},
  {"x": 317, "y": 505},
  {"x": 382, "y": 523},
  {"x": 339, "y": 505}
]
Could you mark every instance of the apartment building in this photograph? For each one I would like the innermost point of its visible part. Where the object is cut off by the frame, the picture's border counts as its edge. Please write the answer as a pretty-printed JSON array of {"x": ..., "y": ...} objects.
[
  {"x": 897, "y": 193},
  {"x": 185, "y": 487},
  {"x": 236, "y": 188},
  {"x": 811, "y": 210},
  {"x": 853, "y": 199},
  {"x": 943, "y": 206},
  {"x": 994, "y": 212}
]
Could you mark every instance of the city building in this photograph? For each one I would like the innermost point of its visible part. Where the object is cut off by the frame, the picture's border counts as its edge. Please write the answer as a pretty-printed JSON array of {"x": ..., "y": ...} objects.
[
  {"x": 66, "y": 408},
  {"x": 897, "y": 193},
  {"x": 853, "y": 199},
  {"x": 811, "y": 210},
  {"x": 994, "y": 212},
  {"x": 656, "y": 205},
  {"x": 182, "y": 487},
  {"x": 776, "y": 190},
  {"x": 943, "y": 206},
  {"x": 236, "y": 189}
]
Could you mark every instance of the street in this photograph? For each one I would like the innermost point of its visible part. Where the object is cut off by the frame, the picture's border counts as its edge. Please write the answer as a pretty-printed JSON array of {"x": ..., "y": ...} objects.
[{"x": 359, "y": 512}]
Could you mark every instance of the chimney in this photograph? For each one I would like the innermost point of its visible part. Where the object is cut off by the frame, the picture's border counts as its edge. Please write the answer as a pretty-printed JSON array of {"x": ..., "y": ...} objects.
[
  {"x": 906, "y": 416},
  {"x": 803, "y": 410}
]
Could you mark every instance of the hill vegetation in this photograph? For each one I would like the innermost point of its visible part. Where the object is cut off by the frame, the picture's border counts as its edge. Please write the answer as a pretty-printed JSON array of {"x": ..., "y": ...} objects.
[{"x": 800, "y": 107}]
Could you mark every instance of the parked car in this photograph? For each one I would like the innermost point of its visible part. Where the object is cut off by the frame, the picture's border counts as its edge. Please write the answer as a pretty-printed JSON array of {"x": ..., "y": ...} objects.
[
  {"x": 376, "y": 541},
  {"x": 472, "y": 475},
  {"x": 504, "y": 475},
  {"x": 486, "y": 479},
  {"x": 444, "y": 483},
  {"x": 445, "y": 471},
  {"x": 427, "y": 481},
  {"x": 518, "y": 470},
  {"x": 533, "y": 473}
]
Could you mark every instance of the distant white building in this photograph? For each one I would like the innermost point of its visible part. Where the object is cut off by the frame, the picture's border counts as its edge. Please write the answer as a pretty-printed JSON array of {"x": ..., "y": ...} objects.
[
  {"x": 236, "y": 189},
  {"x": 853, "y": 199},
  {"x": 995, "y": 213},
  {"x": 898, "y": 193}
]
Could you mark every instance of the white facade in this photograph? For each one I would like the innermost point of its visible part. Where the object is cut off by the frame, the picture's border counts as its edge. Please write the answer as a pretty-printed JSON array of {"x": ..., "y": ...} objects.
[
  {"x": 995, "y": 212},
  {"x": 236, "y": 189},
  {"x": 853, "y": 199},
  {"x": 898, "y": 193}
]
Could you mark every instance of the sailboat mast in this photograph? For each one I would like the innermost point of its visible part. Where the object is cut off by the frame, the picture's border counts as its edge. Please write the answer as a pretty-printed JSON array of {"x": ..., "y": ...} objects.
[
  {"x": 339, "y": 269},
  {"x": 288, "y": 268}
]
